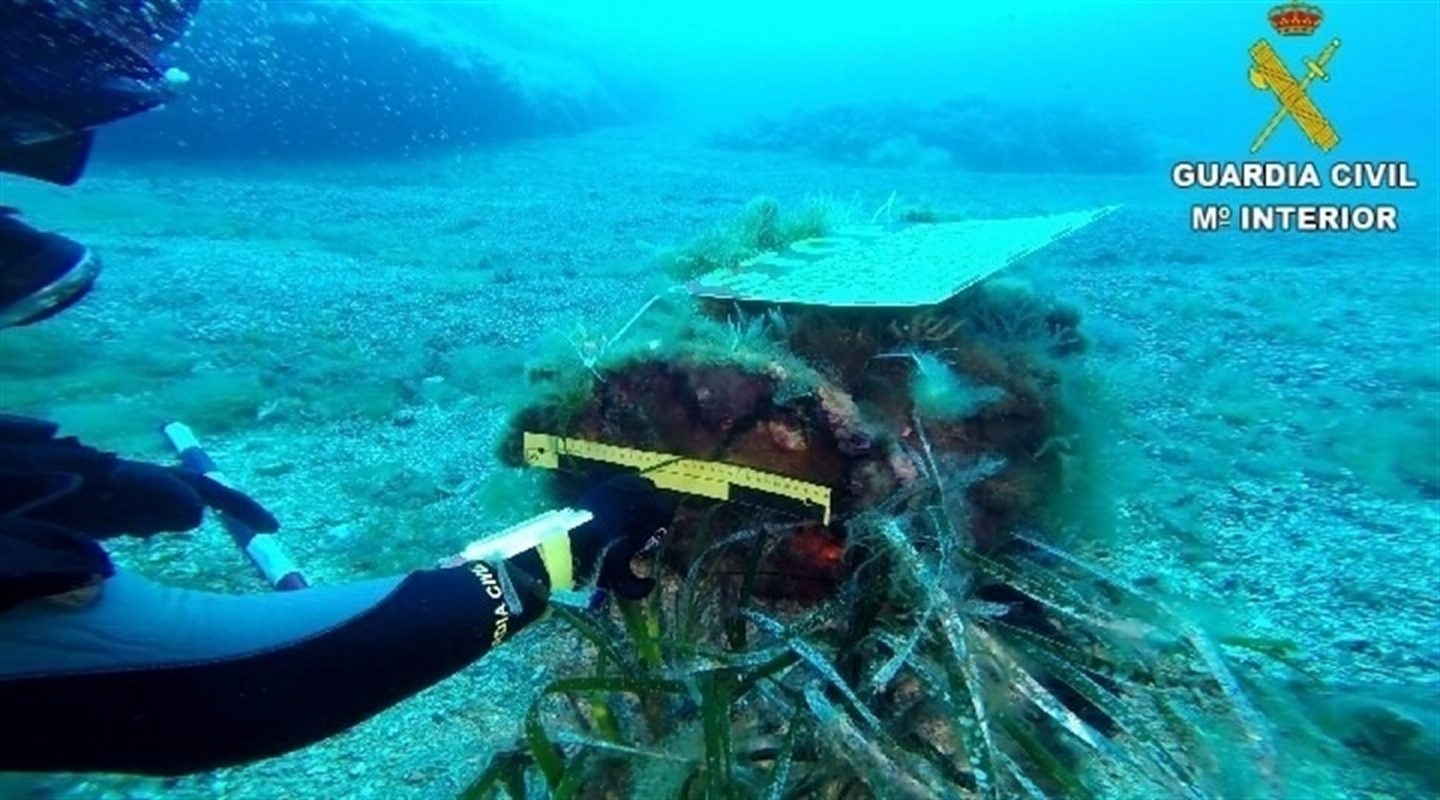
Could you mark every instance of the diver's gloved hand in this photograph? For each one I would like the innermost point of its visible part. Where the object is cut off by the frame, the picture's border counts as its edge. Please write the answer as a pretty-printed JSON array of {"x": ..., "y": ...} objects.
[
  {"x": 41, "y": 560},
  {"x": 631, "y": 518},
  {"x": 63, "y": 482}
]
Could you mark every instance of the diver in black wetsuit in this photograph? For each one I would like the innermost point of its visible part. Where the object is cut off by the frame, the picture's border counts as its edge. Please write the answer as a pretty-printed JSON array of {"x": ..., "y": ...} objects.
[
  {"x": 67, "y": 66},
  {"x": 102, "y": 670}
]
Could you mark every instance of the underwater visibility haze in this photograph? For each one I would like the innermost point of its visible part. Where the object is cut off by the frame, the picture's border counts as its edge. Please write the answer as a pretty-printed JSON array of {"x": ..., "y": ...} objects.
[{"x": 1047, "y": 394}]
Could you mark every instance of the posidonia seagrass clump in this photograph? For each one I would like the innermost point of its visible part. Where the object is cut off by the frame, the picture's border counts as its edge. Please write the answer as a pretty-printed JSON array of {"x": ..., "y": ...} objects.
[{"x": 934, "y": 671}]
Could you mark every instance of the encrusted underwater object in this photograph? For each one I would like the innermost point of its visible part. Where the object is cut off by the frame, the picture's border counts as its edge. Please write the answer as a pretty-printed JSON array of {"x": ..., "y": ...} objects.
[
  {"x": 863, "y": 361},
  {"x": 927, "y": 641},
  {"x": 829, "y": 396}
]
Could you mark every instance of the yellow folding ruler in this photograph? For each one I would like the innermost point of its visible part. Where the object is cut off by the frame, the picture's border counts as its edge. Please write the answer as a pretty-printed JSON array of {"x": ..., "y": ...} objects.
[{"x": 688, "y": 475}]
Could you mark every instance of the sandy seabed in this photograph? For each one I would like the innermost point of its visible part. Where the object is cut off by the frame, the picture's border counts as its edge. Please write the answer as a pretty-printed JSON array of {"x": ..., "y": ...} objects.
[{"x": 1276, "y": 390}]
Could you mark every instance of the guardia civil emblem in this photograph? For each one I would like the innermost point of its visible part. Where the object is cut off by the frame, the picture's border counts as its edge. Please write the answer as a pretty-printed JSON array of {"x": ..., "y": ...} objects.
[{"x": 1269, "y": 73}]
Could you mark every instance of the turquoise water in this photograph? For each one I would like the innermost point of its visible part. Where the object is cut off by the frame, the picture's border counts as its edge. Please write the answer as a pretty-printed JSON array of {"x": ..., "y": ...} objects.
[
  {"x": 1174, "y": 68},
  {"x": 334, "y": 253},
  {"x": 1171, "y": 69}
]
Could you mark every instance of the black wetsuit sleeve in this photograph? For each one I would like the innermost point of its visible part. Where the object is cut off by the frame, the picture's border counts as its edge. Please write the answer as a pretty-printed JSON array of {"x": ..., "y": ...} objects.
[{"x": 168, "y": 707}]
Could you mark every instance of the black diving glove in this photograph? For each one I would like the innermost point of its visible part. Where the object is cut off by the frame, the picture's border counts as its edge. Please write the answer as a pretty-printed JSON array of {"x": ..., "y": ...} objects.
[
  {"x": 41, "y": 560},
  {"x": 60, "y": 481},
  {"x": 631, "y": 518}
]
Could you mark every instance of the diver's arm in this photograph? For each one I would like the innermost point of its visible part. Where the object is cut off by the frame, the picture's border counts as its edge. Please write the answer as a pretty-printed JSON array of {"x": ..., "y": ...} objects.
[{"x": 163, "y": 681}]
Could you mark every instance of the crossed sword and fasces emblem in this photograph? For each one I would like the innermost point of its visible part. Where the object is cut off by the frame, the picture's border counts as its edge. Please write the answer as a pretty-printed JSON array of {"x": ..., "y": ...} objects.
[{"x": 1269, "y": 72}]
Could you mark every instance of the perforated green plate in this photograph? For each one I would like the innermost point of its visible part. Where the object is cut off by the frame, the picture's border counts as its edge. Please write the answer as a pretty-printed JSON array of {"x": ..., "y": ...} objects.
[{"x": 917, "y": 265}]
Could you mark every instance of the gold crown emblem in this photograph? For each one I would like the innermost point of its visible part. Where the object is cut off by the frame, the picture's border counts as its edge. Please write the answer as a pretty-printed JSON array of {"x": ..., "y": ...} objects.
[{"x": 1296, "y": 19}]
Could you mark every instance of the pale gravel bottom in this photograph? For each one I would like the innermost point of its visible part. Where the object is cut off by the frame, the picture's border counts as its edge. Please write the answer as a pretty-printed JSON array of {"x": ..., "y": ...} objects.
[{"x": 498, "y": 249}]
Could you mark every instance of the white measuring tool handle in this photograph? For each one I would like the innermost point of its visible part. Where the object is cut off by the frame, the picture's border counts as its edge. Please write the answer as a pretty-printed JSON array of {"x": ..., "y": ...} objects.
[{"x": 520, "y": 537}]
